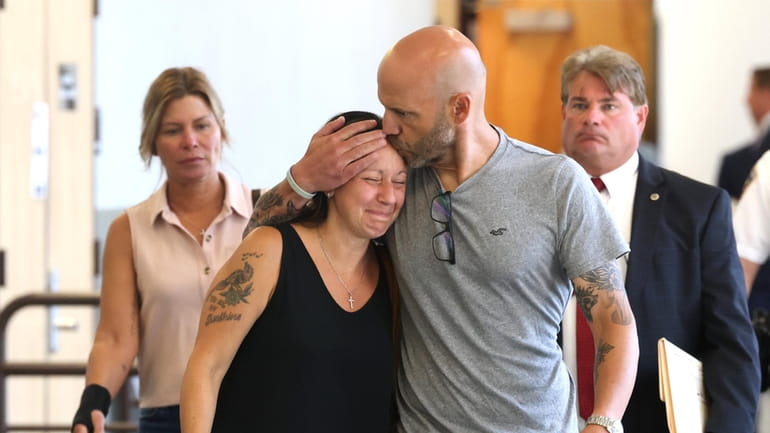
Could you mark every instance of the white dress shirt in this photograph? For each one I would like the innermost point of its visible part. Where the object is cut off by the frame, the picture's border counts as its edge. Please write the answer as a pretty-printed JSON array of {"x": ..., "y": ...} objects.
[{"x": 751, "y": 219}]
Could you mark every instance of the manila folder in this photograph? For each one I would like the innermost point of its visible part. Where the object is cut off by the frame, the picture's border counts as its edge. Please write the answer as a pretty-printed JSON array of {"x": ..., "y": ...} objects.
[{"x": 680, "y": 377}]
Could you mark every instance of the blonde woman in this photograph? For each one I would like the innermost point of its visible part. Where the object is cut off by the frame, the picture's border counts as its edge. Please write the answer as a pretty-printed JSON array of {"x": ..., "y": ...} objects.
[{"x": 161, "y": 255}]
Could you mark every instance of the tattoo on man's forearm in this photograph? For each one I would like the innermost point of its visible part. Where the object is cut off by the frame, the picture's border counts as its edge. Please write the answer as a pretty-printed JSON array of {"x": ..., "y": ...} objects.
[
  {"x": 274, "y": 220},
  {"x": 604, "y": 278},
  {"x": 622, "y": 315},
  {"x": 586, "y": 299},
  {"x": 607, "y": 278},
  {"x": 602, "y": 351},
  {"x": 269, "y": 200},
  {"x": 264, "y": 211},
  {"x": 250, "y": 226}
]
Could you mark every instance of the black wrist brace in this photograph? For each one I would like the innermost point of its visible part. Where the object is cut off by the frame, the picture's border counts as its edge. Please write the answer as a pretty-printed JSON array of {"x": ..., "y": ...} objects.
[{"x": 94, "y": 397}]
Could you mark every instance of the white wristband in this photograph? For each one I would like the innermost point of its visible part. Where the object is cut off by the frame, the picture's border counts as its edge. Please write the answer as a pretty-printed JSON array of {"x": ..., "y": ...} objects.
[{"x": 293, "y": 184}]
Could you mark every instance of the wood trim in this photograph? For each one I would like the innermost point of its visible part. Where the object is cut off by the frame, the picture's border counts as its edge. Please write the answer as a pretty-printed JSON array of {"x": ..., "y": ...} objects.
[{"x": 523, "y": 69}]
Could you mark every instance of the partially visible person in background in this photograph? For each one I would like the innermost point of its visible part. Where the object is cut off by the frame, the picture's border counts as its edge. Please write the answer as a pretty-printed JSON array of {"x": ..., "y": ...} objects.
[
  {"x": 734, "y": 175},
  {"x": 752, "y": 220},
  {"x": 161, "y": 255},
  {"x": 683, "y": 275},
  {"x": 752, "y": 235},
  {"x": 736, "y": 169},
  {"x": 296, "y": 333},
  {"x": 736, "y": 166}
]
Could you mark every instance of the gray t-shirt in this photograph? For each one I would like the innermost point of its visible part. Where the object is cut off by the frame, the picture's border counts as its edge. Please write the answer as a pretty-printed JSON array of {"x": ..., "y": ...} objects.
[{"x": 479, "y": 348}]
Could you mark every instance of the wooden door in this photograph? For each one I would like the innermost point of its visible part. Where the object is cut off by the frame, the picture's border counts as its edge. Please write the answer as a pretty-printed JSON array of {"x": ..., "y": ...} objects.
[
  {"x": 46, "y": 204},
  {"x": 523, "y": 43}
]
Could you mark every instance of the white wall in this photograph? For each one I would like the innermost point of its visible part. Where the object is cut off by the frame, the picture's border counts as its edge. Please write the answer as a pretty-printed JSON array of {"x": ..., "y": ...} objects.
[
  {"x": 707, "y": 49},
  {"x": 282, "y": 68}
]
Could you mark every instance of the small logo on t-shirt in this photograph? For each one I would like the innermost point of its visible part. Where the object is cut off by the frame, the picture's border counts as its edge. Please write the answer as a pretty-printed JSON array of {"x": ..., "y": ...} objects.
[{"x": 498, "y": 232}]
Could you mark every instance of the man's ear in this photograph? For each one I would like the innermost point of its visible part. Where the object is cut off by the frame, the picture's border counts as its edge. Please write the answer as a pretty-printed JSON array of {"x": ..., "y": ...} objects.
[
  {"x": 459, "y": 107},
  {"x": 641, "y": 116}
]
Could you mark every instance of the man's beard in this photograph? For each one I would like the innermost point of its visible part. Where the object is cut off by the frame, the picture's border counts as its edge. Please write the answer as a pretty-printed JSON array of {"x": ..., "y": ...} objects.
[{"x": 430, "y": 149}]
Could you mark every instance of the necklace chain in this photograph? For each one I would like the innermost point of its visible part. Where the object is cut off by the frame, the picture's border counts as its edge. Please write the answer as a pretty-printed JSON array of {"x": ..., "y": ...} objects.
[
  {"x": 184, "y": 221},
  {"x": 337, "y": 274}
]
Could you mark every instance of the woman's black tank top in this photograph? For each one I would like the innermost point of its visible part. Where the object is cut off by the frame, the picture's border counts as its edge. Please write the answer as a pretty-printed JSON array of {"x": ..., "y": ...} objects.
[{"x": 307, "y": 365}]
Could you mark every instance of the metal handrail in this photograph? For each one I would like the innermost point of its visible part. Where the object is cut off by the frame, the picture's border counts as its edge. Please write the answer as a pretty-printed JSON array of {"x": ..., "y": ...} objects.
[
  {"x": 42, "y": 368},
  {"x": 120, "y": 426}
]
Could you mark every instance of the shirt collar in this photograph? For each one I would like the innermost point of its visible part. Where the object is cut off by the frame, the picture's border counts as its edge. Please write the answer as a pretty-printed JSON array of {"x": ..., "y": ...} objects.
[
  {"x": 234, "y": 200},
  {"x": 617, "y": 179}
]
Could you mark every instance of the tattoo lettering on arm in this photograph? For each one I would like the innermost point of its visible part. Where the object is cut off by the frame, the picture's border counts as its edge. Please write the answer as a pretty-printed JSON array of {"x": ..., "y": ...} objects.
[
  {"x": 263, "y": 211},
  {"x": 231, "y": 291},
  {"x": 222, "y": 316}
]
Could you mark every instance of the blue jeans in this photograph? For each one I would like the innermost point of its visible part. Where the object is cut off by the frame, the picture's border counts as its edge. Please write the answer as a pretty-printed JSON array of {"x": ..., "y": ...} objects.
[{"x": 159, "y": 419}]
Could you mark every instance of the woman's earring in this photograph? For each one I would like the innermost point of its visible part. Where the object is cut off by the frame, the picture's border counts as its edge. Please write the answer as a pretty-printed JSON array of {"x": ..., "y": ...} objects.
[{"x": 330, "y": 194}]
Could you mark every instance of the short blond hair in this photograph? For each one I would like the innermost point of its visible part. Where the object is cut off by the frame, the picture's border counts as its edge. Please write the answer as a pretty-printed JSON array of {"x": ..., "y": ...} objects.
[{"x": 170, "y": 85}]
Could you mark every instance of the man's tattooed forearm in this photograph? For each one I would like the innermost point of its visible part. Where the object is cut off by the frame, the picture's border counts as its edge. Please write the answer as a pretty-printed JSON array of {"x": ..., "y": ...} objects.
[
  {"x": 274, "y": 220},
  {"x": 586, "y": 299},
  {"x": 269, "y": 200},
  {"x": 622, "y": 315},
  {"x": 604, "y": 277},
  {"x": 608, "y": 279},
  {"x": 250, "y": 226},
  {"x": 264, "y": 210},
  {"x": 601, "y": 352}
]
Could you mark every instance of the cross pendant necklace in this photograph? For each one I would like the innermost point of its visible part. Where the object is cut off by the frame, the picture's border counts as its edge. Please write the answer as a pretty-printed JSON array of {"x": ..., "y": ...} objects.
[
  {"x": 337, "y": 274},
  {"x": 189, "y": 226}
]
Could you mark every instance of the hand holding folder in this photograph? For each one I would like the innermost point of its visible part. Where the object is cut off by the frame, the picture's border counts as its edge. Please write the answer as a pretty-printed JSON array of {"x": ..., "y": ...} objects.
[{"x": 680, "y": 377}]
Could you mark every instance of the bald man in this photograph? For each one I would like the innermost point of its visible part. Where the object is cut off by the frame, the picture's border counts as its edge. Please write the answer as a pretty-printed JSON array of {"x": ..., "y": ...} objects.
[{"x": 493, "y": 236}]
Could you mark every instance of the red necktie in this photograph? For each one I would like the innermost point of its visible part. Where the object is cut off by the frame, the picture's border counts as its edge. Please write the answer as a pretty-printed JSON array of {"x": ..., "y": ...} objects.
[
  {"x": 585, "y": 350},
  {"x": 598, "y": 183},
  {"x": 585, "y": 365}
]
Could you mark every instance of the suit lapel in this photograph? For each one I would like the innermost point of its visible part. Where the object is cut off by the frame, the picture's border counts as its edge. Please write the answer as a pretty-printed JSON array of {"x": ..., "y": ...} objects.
[{"x": 648, "y": 210}]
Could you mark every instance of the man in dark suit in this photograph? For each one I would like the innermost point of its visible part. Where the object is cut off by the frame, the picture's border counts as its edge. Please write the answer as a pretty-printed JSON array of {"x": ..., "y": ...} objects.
[
  {"x": 736, "y": 168},
  {"x": 683, "y": 275}
]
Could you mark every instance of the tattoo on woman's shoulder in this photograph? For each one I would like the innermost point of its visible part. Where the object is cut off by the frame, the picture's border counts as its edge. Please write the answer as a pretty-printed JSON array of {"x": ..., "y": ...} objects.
[{"x": 231, "y": 291}]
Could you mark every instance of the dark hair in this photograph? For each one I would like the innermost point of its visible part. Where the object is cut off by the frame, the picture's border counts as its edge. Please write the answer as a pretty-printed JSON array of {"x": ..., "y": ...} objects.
[
  {"x": 316, "y": 211},
  {"x": 762, "y": 77},
  {"x": 358, "y": 116}
]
